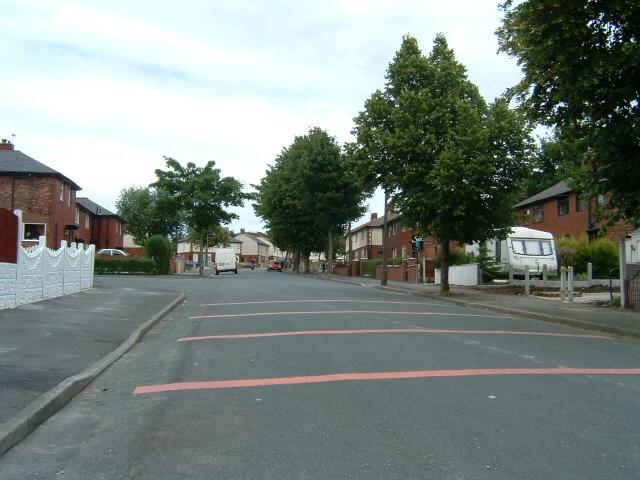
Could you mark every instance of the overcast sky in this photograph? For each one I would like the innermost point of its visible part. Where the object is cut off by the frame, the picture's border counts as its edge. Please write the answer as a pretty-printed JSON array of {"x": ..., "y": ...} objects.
[{"x": 102, "y": 90}]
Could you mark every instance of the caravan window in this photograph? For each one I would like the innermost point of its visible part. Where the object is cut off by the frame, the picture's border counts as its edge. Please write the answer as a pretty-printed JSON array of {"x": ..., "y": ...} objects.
[
  {"x": 518, "y": 246},
  {"x": 531, "y": 247}
]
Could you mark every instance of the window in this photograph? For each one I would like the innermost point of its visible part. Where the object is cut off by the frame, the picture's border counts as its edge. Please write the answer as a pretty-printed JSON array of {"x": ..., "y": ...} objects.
[
  {"x": 395, "y": 228},
  {"x": 602, "y": 200},
  {"x": 404, "y": 251},
  {"x": 62, "y": 192},
  {"x": 77, "y": 218},
  {"x": 518, "y": 247},
  {"x": 69, "y": 198},
  {"x": 581, "y": 203},
  {"x": 86, "y": 221},
  {"x": 563, "y": 206},
  {"x": 394, "y": 253},
  {"x": 532, "y": 247},
  {"x": 538, "y": 214},
  {"x": 362, "y": 236},
  {"x": 31, "y": 231}
]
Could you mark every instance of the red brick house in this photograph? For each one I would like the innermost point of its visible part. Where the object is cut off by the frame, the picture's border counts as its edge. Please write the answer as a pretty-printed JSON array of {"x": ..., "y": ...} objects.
[
  {"x": 49, "y": 205},
  {"x": 563, "y": 212},
  {"x": 98, "y": 226},
  {"x": 46, "y": 197},
  {"x": 365, "y": 241}
]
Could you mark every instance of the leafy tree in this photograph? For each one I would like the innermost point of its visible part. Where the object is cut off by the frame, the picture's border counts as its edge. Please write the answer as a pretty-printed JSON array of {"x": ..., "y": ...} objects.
[
  {"x": 581, "y": 65},
  {"x": 147, "y": 212},
  {"x": 452, "y": 162},
  {"x": 308, "y": 196},
  {"x": 202, "y": 194}
]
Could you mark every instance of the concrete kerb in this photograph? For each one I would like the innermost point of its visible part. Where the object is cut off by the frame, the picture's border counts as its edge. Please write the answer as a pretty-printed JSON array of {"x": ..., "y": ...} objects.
[
  {"x": 623, "y": 332},
  {"x": 17, "y": 429}
]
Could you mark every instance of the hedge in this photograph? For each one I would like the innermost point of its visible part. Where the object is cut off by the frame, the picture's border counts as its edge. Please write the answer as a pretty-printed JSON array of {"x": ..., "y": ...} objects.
[
  {"x": 123, "y": 266},
  {"x": 577, "y": 252},
  {"x": 158, "y": 249},
  {"x": 368, "y": 267}
]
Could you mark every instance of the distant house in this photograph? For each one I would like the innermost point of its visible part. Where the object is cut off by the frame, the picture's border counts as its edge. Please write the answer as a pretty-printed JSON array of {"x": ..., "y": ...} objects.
[
  {"x": 253, "y": 248},
  {"x": 564, "y": 212},
  {"x": 400, "y": 237},
  {"x": 97, "y": 225},
  {"x": 190, "y": 252},
  {"x": 365, "y": 241},
  {"x": 50, "y": 206}
]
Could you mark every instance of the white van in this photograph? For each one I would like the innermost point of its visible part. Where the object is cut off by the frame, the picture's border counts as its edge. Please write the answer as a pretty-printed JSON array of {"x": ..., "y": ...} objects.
[
  {"x": 522, "y": 247},
  {"x": 226, "y": 261}
]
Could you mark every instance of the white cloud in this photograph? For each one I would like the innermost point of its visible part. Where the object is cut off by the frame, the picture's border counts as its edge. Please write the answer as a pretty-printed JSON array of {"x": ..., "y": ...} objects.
[{"x": 119, "y": 84}]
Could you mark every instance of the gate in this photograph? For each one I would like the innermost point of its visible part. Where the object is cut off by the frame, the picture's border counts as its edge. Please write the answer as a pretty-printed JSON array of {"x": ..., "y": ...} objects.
[
  {"x": 8, "y": 236},
  {"x": 632, "y": 286}
]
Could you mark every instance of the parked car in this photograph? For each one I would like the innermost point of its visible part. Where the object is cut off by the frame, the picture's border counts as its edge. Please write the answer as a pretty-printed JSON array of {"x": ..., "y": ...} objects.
[
  {"x": 276, "y": 265},
  {"x": 112, "y": 251}
]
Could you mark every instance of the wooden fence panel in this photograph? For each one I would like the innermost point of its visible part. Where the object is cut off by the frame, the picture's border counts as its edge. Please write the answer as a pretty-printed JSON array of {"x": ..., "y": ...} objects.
[{"x": 8, "y": 236}]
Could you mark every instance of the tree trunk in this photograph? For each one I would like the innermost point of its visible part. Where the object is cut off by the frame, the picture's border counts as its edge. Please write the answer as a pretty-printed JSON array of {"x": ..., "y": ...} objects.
[
  {"x": 444, "y": 266},
  {"x": 201, "y": 256},
  {"x": 296, "y": 262},
  {"x": 385, "y": 234},
  {"x": 330, "y": 251}
]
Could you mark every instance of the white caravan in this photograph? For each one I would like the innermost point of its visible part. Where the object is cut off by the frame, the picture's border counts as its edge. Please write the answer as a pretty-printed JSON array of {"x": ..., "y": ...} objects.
[
  {"x": 522, "y": 247},
  {"x": 226, "y": 260}
]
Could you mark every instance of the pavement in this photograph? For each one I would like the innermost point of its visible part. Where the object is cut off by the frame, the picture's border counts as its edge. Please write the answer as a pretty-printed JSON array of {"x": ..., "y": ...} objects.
[{"x": 51, "y": 350}]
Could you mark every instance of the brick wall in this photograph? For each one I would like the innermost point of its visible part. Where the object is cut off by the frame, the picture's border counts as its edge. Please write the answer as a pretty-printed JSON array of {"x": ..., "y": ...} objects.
[{"x": 39, "y": 200}]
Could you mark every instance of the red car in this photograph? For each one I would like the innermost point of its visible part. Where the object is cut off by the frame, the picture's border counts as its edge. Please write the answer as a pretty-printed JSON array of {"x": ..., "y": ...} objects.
[{"x": 276, "y": 265}]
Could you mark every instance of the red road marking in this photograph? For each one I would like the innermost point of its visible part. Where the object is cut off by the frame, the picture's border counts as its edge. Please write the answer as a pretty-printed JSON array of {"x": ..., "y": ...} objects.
[
  {"x": 344, "y": 377},
  {"x": 385, "y": 330},
  {"x": 346, "y": 300},
  {"x": 342, "y": 312}
]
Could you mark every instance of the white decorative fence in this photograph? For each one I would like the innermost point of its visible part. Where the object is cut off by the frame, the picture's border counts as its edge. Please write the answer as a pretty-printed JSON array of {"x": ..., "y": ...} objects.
[
  {"x": 466, "y": 275},
  {"x": 43, "y": 273}
]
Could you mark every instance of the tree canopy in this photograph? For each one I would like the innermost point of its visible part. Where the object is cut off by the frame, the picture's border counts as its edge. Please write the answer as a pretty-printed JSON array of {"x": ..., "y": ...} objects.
[
  {"x": 581, "y": 65},
  {"x": 308, "y": 195},
  {"x": 202, "y": 194},
  {"x": 451, "y": 162},
  {"x": 147, "y": 212}
]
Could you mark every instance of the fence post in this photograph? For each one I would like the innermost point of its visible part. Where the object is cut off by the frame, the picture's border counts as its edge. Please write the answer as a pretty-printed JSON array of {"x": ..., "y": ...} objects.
[
  {"x": 18, "y": 213},
  {"x": 510, "y": 274},
  {"x": 527, "y": 280},
  {"x": 623, "y": 273},
  {"x": 589, "y": 274},
  {"x": 570, "y": 282},
  {"x": 563, "y": 289},
  {"x": 544, "y": 275}
]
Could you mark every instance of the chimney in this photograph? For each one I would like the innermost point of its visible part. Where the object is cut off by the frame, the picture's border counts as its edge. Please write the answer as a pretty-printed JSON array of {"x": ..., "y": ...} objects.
[
  {"x": 374, "y": 216},
  {"x": 242, "y": 230},
  {"x": 6, "y": 145}
]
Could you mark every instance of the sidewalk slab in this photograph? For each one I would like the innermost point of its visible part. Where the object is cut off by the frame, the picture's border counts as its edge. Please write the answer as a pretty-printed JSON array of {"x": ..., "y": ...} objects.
[
  {"x": 51, "y": 349},
  {"x": 617, "y": 321}
]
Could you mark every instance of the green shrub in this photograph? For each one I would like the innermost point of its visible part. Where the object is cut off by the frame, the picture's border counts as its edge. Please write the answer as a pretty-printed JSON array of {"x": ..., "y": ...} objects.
[
  {"x": 122, "y": 266},
  {"x": 159, "y": 250},
  {"x": 457, "y": 256},
  {"x": 368, "y": 267},
  {"x": 578, "y": 252}
]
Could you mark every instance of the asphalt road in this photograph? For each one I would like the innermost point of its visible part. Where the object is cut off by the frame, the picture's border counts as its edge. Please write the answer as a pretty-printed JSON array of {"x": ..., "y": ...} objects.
[{"x": 359, "y": 383}]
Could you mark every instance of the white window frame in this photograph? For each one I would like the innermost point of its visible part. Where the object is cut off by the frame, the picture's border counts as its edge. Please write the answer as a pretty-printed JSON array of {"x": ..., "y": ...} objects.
[
  {"x": 87, "y": 223},
  {"x": 24, "y": 231},
  {"x": 68, "y": 197},
  {"x": 62, "y": 192},
  {"x": 77, "y": 217}
]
